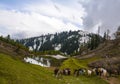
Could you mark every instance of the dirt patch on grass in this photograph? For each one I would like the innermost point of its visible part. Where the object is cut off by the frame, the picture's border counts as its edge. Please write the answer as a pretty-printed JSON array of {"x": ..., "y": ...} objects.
[{"x": 113, "y": 80}]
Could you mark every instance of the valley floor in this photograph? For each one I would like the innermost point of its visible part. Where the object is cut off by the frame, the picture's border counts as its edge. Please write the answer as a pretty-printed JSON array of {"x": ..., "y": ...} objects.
[{"x": 14, "y": 71}]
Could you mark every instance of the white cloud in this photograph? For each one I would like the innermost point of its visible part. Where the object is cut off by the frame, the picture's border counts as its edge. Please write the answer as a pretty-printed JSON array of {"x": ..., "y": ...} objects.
[
  {"x": 34, "y": 23},
  {"x": 50, "y": 16},
  {"x": 73, "y": 13},
  {"x": 40, "y": 18}
]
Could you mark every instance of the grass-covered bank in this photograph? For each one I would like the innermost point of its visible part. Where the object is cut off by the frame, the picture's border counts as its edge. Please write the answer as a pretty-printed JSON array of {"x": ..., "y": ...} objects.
[
  {"x": 14, "y": 71},
  {"x": 74, "y": 63}
]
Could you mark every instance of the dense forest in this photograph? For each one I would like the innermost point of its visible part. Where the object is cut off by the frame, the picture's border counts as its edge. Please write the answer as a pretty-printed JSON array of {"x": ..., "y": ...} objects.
[{"x": 68, "y": 43}]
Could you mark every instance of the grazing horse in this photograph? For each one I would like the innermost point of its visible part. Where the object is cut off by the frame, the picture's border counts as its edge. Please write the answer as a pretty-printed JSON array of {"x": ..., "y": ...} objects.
[
  {"x": 56, "y": 71},
  {"x": 69, "y": 72},
  {"x": 81, "y": 71},
  {"x": 59, "y": 74},
  {"x": 78, "y": 72},
  {"x": 103, "y": 72},
  {"x": 96, "y": 71},
  {"x": 66, "y": 71},
  {"x": 89, "y": 72}
]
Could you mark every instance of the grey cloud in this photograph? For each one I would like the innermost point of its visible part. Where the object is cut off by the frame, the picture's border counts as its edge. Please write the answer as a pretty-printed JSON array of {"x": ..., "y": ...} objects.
[
  {"x": 106, "y": 12},
  {"x": 57, "y": 8},
  {"x": 19, "y": 35}
]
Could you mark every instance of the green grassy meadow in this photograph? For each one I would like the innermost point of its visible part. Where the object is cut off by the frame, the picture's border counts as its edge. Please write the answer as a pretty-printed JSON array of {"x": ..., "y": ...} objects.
[
  {"x": 74, "y": 63},
  {"x": 15, "y": 71}
]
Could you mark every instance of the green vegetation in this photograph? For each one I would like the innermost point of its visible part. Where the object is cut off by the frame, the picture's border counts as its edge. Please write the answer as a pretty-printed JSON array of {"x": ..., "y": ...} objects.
[
  {"x": 48, "y": 52},
  {"x": 70, "y": 42},
  {"x": 74, "y": 63},
  {"x": 83, "y": 80},
  {"x": 13, "y": 43},
  {"x": 14, "y": 71},
  {"x": 95, "y": 41},
  {"x": 85, "y": 62}
]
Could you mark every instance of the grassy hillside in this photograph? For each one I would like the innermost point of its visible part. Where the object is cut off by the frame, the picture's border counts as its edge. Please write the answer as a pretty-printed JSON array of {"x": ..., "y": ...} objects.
[
  {"x": 14, "y": 71},
  {"x": 74, "y": 63}
]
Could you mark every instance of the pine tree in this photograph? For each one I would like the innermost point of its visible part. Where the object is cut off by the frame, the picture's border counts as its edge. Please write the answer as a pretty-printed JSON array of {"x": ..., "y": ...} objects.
[{"x": 105, "y": 36}]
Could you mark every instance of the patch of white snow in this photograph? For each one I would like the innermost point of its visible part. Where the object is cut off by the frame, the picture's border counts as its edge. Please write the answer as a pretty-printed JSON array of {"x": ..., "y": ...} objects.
[{"x": 58, "y": 47}]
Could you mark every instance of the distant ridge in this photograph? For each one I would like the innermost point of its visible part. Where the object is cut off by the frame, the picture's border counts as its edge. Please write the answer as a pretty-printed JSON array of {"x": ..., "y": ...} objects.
[{"x": 66, "y": 42}]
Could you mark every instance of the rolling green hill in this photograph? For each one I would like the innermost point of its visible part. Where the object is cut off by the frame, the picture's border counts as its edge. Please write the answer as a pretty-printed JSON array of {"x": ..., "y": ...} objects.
[
  {"x": 14, "y": 71},
  {"x": 74, "y": 63}
]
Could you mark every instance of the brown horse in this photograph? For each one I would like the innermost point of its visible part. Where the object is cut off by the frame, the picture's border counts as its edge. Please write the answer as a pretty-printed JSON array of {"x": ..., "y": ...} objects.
[{"x": 58, "y": 73}]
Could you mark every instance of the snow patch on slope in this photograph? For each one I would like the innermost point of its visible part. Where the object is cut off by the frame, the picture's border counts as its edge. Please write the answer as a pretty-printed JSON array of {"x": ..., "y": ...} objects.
[
  {"x": 58, "y": 47},
  {"x": 52, "y": 37},
  {"x": 84, "y": 39},
  {"x": 71, "y": 36},
  {"x": 34, "y": 61},
  {"x": 30, "y": 48}
]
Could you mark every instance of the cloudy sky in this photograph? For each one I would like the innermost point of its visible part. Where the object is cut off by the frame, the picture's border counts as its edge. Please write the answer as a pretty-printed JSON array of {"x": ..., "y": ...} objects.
[{"x": 28, "y": 18}]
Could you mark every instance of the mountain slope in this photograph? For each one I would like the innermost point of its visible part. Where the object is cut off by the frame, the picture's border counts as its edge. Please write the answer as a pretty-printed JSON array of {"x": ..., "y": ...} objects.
[
  {"x": 66, "y": 42},
  {"x": 15, "y": 71},
  {"x": 10, "y": 47},
  {"x": 108, "y": 54}
]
